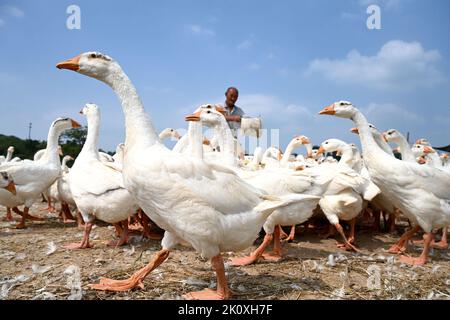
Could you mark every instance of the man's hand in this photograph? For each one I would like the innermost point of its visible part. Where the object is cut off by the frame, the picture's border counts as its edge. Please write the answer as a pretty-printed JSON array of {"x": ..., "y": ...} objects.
[{"x": 233, "y": 118}]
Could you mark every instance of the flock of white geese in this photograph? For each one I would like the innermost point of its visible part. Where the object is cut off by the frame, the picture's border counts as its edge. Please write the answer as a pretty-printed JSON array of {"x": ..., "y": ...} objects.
[{"x": 209, "y": 196}]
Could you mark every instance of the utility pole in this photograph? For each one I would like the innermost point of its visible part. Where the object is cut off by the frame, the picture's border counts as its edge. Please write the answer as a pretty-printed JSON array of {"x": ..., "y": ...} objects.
[{"x": 29, "y": 130}]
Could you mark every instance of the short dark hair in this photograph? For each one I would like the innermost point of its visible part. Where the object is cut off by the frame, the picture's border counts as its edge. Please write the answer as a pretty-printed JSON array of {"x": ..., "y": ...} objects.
[{"x": 232, "y": 88}]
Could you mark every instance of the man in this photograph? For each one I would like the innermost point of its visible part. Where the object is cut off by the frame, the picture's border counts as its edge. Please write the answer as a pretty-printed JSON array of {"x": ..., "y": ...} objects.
[{"x": 233, "y": 114}]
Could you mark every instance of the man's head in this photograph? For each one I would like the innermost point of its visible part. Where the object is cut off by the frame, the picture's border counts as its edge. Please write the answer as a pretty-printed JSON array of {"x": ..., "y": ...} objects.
[{"x": 231, "y": 95}]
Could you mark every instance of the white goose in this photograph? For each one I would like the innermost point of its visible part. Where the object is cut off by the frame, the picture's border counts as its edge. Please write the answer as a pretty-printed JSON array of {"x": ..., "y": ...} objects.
[
  {"x": 276, "y": 182},
  {"x": 404, "y": 148},
  {"x": 97, "y": 187},
  {"x": 34, "y": 177},
  {"x": 381, "y": 203},
  {"x": 192, "y": 200},
  {"x": 422, "y": 193},
  {"x": 345, "y": 203},
  {"x": 9, "y": 154}
]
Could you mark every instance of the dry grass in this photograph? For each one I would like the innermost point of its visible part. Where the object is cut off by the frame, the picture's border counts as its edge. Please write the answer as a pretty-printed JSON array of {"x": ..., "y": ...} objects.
[{"x": 303, "y": 274}]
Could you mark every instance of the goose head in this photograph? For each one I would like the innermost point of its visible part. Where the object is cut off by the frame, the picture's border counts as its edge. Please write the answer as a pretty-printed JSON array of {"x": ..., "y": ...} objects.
[
  {"x": 60, "y": 151},
  {"x": 62, "y": 124},
  {"x": 6, "y": 182},
  {"x": 444, "y": 158},
  {"x": 298, "y": 141},
  {"x": 90, "y": 109},
  {"x": 330, "y": 145},
  {"x": 373, "y": 130},
  {"x": 208, "y": 115},
  {"x": 93, "y": 64},
  {"x": 170, "y": 133},
  {"x": 418, "y": 150},
  {"x": 341, "y": 109},
  {"x": 10, "y": 150},
  {"x": 423, "y": 141},
  {"x": 209, "y": 106},
  {"x": 392, "y": 135}
]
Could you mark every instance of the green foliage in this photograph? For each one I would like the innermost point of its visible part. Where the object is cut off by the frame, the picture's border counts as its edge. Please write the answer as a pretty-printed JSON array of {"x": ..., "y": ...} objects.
[
  {"x": 25, "y": 149},
  {"x": 72, "y": 141}
]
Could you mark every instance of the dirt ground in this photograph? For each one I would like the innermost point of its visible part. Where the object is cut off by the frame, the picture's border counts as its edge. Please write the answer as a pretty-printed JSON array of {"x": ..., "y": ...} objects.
[{"x": 313, "y": 268}]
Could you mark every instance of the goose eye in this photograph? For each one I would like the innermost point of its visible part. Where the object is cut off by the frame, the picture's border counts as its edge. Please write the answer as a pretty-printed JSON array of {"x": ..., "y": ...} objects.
[
  {"x": 93, "y": 55},
  {"x": 209, "y": 112},
  {"x": 171, "y": 130}
]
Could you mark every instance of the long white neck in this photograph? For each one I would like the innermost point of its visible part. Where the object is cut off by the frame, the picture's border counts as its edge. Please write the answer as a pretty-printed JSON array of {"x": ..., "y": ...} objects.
[
  {"x": 51, "y": 154},
  {"x": 140, "y": 132},
  {"x": 182, "y": 143},
  {"x": 9, "y": 155},
  {"x": 382, "y": 143},
  {"x": 64, "y": 166},
  {"x": 405, "y": 149},
  {"x": 225, "y": 138},
  {"x": 195, "y": 136},
  {"x": 308, "y": 147},
  {"x": 90, "y": 147},
  {"x": 370, "y": 149},
  {"x": 290, "y": 147},
  {"x": 347, "y": 157}
]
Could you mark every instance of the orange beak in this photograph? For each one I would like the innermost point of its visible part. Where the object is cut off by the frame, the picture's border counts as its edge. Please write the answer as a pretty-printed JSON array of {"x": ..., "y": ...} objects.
[
  {"x": 354, "y": 130},
  {"x": 11, "y": 187},
  {"x": 418, "y": 141},
  {"x": 193, "y": 117},
  {"x": 177, "y": 135},
  {"x": 328, "y": 110},
  {"x": 75, "y": 124},
  {"x": 321, "y": 150},
  {"x": 71, "y": 64},
  {"x": 305, "y": 140},
  {"x": 427, "y": 150},
  {"x": 299, "y": 168},
  {"x": 206, "y": 142},
  {"x": 384, "y": 137}
]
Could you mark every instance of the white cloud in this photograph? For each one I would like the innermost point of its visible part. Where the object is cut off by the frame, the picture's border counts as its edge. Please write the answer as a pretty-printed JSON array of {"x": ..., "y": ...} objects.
[
  {"x": 272, "y": 107},
  {"x": 244, "y": 45},
  {"x": 12, "y": 11},
  {"x": 389, "y": 115},
  {"x": 199, "y": 30},
  {"x": 254, "y": 66},
  {"x": 397, "y": 65}
]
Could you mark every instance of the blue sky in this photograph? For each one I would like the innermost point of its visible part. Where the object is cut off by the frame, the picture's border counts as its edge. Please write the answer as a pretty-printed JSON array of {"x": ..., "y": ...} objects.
[{"x": 289, "y": 59}]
